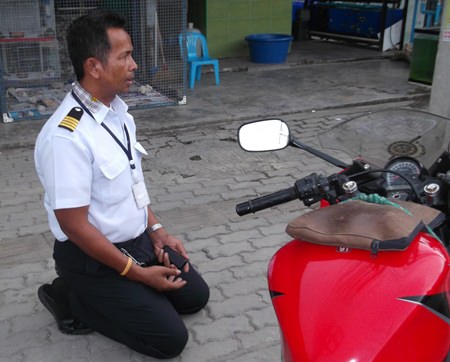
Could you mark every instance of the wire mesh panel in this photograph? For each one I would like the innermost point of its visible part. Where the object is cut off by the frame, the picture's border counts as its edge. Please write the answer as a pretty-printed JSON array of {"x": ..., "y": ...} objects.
[{"x": 35, "y": 69}]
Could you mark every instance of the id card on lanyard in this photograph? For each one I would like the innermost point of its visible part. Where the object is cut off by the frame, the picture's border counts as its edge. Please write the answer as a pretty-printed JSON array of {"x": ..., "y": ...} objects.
[{"x": 138, "y": 188}]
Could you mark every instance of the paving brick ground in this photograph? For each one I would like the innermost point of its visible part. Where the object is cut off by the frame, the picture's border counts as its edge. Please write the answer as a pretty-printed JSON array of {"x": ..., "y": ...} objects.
[{"x": 196, "y": 174}]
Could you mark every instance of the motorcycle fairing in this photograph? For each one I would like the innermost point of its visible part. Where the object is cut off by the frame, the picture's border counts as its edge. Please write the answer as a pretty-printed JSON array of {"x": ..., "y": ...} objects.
[
  {"x": 436, "y": 303},
  {"x": 274, "y": 294},
  {"x": 334, "y": 306}
]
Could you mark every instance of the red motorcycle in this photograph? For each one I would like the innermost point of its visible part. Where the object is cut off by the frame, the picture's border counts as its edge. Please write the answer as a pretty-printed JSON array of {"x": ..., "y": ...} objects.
[{"x": 366, "y": 277}]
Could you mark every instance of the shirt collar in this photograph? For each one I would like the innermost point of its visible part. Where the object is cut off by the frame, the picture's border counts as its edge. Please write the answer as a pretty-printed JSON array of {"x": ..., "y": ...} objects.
[
  {"x": 92, "y": 103},
  {"x": 96, "y": 107}
]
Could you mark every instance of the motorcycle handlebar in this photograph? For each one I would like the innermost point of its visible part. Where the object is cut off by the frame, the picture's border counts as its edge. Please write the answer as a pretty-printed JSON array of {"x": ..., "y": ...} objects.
[
  {"x": 267, "y": 201},
  {"x": 308, "y": 189}
]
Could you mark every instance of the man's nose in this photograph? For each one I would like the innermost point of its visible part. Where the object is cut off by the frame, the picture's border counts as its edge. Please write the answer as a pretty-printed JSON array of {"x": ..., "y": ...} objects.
[{"x": 134, "y": 65}]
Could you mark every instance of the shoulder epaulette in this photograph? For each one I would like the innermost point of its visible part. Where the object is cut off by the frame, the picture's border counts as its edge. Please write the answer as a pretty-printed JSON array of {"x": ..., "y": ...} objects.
[{"x": 72, "y": 119}]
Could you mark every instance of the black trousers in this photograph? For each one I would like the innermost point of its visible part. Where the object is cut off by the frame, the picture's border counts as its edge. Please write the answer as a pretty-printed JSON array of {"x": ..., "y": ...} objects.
[{"x": 128, "y": 312}]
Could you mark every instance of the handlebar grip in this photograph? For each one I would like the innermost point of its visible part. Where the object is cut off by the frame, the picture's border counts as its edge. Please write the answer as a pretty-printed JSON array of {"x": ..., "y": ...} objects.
[{"x": 267, "y": 201}]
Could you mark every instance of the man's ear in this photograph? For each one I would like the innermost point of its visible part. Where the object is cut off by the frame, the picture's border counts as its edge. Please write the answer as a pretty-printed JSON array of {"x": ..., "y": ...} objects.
[{"x": 93, "y": 67}]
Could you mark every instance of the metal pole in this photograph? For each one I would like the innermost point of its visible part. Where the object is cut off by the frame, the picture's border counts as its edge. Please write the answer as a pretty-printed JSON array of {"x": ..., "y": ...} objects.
[
  {"x": 440, "y": 90},
  {"x": 2, "y": 92}
]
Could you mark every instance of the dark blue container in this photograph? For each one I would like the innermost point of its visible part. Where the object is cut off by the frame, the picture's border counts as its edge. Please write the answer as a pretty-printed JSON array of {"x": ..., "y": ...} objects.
[
  {"x": 296, "y": 5},
  {"x": 362, "y": 20},
  {"x": 268, "y": 48}
]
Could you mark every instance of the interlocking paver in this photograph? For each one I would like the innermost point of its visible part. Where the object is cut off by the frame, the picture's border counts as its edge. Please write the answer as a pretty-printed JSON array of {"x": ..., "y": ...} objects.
[{"x": 196, "y": 174}]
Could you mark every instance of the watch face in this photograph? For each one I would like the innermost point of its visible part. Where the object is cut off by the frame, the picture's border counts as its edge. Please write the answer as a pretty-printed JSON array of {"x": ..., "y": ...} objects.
[{"x": 155, "y": 227}]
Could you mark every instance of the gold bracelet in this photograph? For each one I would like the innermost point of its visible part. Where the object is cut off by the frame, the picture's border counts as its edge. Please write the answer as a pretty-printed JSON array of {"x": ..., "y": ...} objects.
[{"x": 127, "y": 267}]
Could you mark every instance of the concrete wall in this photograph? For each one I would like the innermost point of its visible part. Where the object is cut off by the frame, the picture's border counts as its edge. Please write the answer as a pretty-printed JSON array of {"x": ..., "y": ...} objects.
[{"x": 226, "y": 23}]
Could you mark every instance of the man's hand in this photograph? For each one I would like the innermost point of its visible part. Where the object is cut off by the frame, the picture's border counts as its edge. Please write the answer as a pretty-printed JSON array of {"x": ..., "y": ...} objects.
[
  {"x": 161, "y": 238},
  {"x": 161, "y": 278}
]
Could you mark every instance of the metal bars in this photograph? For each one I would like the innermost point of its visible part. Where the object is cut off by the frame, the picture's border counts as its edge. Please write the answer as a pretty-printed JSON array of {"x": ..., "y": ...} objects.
[{"x": 35, "y": 70}]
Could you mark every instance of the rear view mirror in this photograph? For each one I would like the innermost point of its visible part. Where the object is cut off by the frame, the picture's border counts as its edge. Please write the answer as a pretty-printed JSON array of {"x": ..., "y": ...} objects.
[{"x": 267, "y": 135}]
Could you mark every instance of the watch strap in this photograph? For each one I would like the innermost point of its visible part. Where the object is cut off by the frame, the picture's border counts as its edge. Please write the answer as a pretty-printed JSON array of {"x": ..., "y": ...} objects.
[{"x": 154, "y": 227}]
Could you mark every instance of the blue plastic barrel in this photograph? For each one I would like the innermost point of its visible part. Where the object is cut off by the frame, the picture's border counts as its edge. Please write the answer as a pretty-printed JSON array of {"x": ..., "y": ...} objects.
[{"x": 268, "y": 48}]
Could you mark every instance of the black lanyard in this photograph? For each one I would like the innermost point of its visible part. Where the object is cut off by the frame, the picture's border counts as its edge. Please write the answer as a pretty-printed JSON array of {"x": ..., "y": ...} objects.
[{"x": 126, "y": 150}]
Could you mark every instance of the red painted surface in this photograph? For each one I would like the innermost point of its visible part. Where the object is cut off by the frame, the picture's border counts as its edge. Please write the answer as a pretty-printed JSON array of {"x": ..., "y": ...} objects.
[{"x": 346, "y": 306}]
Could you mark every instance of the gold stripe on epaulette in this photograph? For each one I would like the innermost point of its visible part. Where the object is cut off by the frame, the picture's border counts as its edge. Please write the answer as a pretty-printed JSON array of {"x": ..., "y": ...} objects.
[
  {"x": 70, "y": 123},
  {"x": 72, "y": 119}
]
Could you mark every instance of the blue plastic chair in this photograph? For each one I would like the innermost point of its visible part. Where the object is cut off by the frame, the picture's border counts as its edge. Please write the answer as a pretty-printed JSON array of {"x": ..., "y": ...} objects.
[{"x": 196, "y": 61}]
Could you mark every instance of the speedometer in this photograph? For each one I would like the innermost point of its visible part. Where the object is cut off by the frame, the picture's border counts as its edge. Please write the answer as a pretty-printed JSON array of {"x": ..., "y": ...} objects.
[{"x": 402, "y": 167}]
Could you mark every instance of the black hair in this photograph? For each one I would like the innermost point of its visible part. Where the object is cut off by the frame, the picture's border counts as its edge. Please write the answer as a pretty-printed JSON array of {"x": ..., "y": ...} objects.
[{"x": 87, "y": 37}]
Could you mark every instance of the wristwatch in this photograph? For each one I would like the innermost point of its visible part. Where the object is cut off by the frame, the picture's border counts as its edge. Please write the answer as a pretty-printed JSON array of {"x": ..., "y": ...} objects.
[{"x": 154, "y": 227}]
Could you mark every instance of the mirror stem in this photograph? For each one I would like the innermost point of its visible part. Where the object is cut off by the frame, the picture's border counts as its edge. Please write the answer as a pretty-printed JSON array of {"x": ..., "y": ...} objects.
[{"x": 319, "y": 154}]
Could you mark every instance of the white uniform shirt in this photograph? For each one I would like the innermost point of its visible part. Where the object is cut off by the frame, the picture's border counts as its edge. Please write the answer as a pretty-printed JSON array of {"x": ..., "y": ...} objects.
[{"x": 86, "y": 166}]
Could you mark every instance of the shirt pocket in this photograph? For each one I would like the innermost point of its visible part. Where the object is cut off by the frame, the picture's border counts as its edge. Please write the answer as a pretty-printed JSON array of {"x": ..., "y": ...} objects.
[
  {"x": 115, "y": 180},
  {"x": 112, "y": 169},
  {"x": 140, "y": 152}
]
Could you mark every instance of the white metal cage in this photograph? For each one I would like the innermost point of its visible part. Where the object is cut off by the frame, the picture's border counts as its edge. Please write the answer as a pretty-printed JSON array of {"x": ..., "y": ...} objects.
[{"x": 35, "y": 69}]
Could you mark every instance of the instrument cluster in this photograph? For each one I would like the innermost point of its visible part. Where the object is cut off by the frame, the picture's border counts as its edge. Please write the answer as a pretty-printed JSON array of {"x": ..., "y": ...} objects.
[{"x": 402, "y": 169}]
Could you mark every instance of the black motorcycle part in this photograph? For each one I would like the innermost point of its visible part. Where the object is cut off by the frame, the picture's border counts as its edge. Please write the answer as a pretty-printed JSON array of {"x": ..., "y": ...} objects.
[{"x": 267, "y": 201}]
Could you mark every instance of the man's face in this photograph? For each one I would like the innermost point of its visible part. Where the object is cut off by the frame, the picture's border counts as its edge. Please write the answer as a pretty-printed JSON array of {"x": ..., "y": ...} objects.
[{"x": 118, "y": 71}]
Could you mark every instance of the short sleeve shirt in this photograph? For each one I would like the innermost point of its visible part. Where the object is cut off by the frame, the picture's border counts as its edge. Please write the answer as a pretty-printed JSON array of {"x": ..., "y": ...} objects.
[{"x": 85, "y": 166}]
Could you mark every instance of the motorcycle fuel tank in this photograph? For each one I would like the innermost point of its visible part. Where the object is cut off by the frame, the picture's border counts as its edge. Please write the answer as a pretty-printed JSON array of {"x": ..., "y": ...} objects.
[{"x": 349, "y": 305}]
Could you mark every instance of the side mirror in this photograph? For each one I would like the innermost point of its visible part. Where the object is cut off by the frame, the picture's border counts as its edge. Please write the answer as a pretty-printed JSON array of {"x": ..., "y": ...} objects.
[{"x": 267, "y": 135}]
